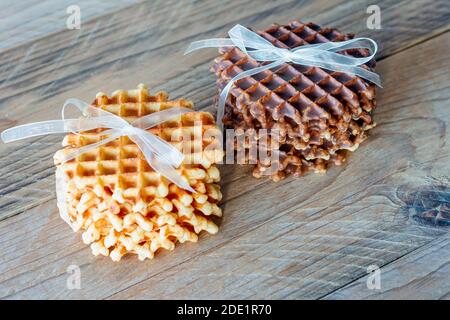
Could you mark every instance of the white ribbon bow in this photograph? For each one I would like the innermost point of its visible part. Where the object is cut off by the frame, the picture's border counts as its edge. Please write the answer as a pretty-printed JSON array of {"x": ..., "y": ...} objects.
[
  {"x": 322, "y": 55},
  {"x": 160, "y": 155}
]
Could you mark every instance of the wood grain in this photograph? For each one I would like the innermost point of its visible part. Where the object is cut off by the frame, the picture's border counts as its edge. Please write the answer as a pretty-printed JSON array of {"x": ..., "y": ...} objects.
[
  {"x": 24, "y": 21},
  {"x": 422, "y": 274},
  {"x": 111, "y": 53},
  {"x": 300, "y": 238},
  {"x": 306, "y": 245}
]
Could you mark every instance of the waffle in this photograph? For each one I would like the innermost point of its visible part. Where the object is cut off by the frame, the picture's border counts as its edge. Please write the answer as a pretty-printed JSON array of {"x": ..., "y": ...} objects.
[
  {"x": 119, "y": 202},
  {"x": 320, "y": 113}
]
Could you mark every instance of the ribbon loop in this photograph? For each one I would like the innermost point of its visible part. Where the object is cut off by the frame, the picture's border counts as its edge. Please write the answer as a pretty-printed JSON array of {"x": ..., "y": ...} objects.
[
  {"x": 323, "y": 55},
  {"x": 160, "y": 154}
]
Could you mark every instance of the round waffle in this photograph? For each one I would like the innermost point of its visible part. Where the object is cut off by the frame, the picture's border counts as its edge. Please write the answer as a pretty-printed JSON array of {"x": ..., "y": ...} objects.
[{"x": 118, "y": 200}]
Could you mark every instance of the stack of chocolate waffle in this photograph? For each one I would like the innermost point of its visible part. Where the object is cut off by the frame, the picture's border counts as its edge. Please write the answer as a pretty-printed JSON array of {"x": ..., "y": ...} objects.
[{"x": 319, "y": 114}]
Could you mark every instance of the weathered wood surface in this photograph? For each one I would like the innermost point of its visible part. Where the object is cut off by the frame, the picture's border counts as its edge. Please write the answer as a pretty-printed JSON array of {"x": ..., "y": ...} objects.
[
  {"x": 423, "y": 274},
  {"x": 23, "y": 21},
  {"x": 300, "y": 238},
  {"x": 111, "y": 52}
]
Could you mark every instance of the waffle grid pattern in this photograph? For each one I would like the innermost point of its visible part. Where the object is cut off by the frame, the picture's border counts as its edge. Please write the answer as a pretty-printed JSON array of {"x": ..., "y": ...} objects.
[
  {"x": 117, "y": 199},
  {"x": 319, "y": 112}
]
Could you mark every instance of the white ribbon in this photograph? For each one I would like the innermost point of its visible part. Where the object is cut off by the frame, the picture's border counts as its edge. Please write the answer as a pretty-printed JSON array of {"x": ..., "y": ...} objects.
[
  {"x": 160, "y": 155},
  {"x": 322, "y": 55}
]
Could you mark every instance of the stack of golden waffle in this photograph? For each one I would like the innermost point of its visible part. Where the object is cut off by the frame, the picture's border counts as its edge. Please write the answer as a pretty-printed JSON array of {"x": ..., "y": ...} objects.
[
  {"x": 319, "y": 114},
  {"x": 117, "y": 199}
]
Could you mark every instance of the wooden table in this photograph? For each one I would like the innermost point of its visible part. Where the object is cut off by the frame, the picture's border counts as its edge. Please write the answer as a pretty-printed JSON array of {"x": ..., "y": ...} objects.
[{"x": 310, "y": 237}]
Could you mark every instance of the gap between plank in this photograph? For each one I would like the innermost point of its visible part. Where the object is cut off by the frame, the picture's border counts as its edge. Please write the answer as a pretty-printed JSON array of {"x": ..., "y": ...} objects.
[{"x": 440, "y": 33}]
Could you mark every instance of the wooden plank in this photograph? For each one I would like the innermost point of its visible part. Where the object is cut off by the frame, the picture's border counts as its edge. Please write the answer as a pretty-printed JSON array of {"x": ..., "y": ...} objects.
[
  {"x": 301, "y": 238},
  {"x": 62, "y": 52},
  {"x": 422, "y": 274},
  {"x": 22, "y": 21},
  {"x": 111, "y": 53}
]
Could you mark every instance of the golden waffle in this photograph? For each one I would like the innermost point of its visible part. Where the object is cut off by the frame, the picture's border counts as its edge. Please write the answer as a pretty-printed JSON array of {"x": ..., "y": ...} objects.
[
  {"x": 317, "y": 111},
  {"x": 120, "y": 202}
]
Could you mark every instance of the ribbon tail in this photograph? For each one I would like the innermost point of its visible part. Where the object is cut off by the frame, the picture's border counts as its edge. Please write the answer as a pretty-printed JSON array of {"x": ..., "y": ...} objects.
[
  {"x": 209, "y": 43},
  {"x": 33, "y": 130},
  {"x": 162, "y": 149},
  {"x": 160, "y": 164},
  {"x": 171, "y": 174},
  {"x": 368, "y": 75}
]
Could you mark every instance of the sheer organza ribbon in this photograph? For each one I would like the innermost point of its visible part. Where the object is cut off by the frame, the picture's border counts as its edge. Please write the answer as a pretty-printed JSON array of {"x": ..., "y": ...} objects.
[
  {"x": 322, "y": 55},
  {"x": 160, "y": 155}
]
